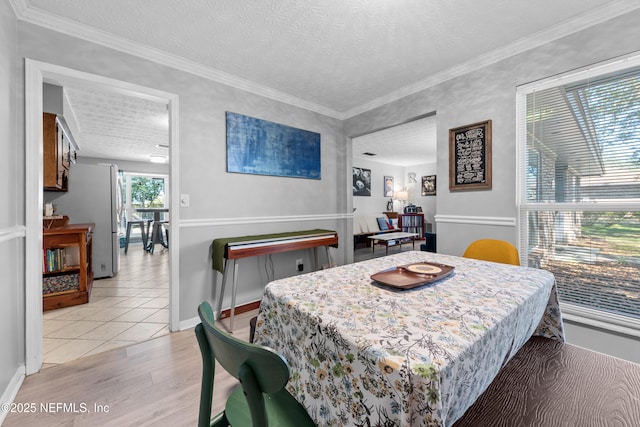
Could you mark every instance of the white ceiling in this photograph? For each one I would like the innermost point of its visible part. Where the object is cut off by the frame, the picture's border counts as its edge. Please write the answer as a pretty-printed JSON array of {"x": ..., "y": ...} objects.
[
  {"x": 408, "y": 144},
  {"x": 113, "y": 125},
  {"x": 336, "y": 57}
]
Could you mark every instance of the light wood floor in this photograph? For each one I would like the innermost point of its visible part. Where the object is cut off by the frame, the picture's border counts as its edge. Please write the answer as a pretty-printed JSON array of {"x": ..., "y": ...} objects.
[{"x": 155, "y": 382}]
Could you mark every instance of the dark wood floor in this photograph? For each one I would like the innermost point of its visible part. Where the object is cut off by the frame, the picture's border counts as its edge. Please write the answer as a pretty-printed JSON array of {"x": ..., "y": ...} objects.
[{"x": 548, "y": 383}]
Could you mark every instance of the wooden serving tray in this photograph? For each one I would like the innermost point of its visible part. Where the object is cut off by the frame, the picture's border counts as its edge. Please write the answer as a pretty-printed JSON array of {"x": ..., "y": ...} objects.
[{"x": 412, "y": 275}]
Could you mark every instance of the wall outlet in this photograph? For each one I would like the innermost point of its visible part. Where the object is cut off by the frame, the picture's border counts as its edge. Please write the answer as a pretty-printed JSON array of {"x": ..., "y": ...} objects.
[{"x": 299, "y": 264}]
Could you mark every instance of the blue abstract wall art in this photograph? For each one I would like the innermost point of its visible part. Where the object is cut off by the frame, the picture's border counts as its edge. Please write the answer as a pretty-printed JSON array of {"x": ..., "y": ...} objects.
[{"x": 260, "y": 147}]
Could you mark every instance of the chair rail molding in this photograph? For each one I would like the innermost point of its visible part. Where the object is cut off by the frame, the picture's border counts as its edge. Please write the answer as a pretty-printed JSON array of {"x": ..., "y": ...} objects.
[
  {"x": 12, "y": 233},
  {"x": 477, "y": 220},
  {"x": 219, "y": 222}
]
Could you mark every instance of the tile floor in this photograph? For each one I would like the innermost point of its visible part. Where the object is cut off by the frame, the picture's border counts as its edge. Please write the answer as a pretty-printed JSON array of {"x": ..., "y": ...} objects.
[{"x": 128, "y": 308}]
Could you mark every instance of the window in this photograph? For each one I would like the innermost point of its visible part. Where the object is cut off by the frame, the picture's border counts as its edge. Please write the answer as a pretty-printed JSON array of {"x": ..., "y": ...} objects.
[
  {"x": 579, "y": 188},
  {"x": 143, "y": 191}
]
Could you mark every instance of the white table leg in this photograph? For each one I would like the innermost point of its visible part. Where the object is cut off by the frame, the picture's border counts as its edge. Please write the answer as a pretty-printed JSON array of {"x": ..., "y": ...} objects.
[
  {"x": 315, "y": 258},
  {"x": 232, "y": 310},
  {"x": 230, "y": 269},
  {"x": 228, "y": 265}
]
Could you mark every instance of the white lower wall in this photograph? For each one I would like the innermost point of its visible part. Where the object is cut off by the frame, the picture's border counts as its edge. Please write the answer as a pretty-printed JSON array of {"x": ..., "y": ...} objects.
[
  {"x": 255, "y": 272},
  {"x": 603, "y": 341},
  {"x": 456, "y": 232}
]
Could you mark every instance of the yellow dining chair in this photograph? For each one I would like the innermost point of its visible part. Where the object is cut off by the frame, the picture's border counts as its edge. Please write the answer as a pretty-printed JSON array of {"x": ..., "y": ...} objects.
[
  {"x": 261, "y": 400},
  {"x": 493, "y": 250}
]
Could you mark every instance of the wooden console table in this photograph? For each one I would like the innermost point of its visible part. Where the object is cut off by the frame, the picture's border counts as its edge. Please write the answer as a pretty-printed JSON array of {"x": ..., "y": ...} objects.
[{"x": 225, "y": 252}]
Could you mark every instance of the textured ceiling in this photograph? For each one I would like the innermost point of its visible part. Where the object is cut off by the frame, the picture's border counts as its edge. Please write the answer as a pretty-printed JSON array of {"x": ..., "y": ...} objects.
[
  {"x": 408, "y": 144},
  {"x": 336, "y": 57},
  {"x": 116, "y": 126}
]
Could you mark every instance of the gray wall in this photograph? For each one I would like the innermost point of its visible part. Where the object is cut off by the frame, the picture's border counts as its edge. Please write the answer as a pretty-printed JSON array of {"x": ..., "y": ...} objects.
[
  {"x": 231, "y": 204},
  {"x": 11, "y": 209},
  {"x": 377, "y": 203},
  {"x": 221, "y": 204},
  {"x": 490, "y": 93}
]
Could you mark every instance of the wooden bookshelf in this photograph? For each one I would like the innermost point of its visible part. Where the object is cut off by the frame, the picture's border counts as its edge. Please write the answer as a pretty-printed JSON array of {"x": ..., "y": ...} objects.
[
  {"x": 67, "y": 275},
  {"x": 412, "y": 223}
]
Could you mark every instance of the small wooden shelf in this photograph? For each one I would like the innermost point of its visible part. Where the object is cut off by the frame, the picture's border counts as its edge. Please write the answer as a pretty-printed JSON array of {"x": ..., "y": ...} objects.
[
  {"x": 66, "y": 270},
  {"x": 72, "y": 283},
  {"x": 412, "y": 223}
]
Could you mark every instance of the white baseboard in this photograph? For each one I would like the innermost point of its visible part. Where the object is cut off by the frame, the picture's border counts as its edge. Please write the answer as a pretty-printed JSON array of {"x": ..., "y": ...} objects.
[
  {"x": 189, "y": 323},
  {"x": 12, "y": 389}
]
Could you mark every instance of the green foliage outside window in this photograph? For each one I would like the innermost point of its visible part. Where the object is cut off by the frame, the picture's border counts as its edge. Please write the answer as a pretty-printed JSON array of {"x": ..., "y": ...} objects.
[{"x": 147, "y": 192}]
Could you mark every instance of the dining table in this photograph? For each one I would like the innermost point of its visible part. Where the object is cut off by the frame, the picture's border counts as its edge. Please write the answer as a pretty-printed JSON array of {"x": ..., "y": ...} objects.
[
  {"x": 155, "y": 233},
  {"x": 367, "y": 352}
]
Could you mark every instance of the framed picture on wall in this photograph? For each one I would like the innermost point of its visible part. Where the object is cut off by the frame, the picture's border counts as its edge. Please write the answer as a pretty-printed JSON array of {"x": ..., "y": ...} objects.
[
  {"x": 470, "y": 157},
  {"x": 261, "y": 147},
  {"x": 429, "y": 185},
  {"x": 361, "y": 182},
  {"x": 388, "y": 186}
]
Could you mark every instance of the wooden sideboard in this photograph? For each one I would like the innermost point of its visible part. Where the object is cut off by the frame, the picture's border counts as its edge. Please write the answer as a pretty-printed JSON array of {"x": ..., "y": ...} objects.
[{"x": 67, "y": 275}]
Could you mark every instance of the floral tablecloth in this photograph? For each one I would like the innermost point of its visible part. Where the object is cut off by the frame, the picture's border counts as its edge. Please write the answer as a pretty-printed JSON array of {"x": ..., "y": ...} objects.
[{"x": 362, "y": 354}]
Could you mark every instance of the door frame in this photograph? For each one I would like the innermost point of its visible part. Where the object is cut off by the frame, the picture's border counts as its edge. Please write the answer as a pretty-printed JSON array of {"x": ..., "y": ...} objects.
[{"x": 37, "y": 73}]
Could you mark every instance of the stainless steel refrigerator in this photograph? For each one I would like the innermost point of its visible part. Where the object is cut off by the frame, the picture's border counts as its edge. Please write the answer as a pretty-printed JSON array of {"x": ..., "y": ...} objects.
[{"x": 94, "y": 196}]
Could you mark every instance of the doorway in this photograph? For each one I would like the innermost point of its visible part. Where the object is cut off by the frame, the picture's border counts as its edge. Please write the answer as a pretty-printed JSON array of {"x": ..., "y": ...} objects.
[
  {"x": 398, "y": 162},
  {"x": 37, "y": 73},
  {"x": 143, "y": 192}
]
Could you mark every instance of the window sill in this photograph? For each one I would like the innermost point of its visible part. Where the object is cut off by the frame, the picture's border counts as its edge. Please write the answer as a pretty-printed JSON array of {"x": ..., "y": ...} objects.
[{"x": 599, "y": 319}]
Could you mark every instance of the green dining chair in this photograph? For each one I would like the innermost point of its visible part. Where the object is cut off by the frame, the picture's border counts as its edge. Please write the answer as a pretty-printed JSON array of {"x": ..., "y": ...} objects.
[
  {"x": 493, "y": 250},
  {"x": 261, "y": 400}
]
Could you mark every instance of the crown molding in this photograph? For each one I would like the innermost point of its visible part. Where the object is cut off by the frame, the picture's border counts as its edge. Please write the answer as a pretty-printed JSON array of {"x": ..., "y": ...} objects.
[
  {"x": 580, "y": 22},
  {"x": 36, "y": 16},
  {"x": 19, "y": 7},
  {"x": 563, "y": 29}
]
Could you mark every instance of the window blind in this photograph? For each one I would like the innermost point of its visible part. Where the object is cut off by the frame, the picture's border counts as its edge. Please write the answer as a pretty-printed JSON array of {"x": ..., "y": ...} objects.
[{"x": 579, "y": 201}]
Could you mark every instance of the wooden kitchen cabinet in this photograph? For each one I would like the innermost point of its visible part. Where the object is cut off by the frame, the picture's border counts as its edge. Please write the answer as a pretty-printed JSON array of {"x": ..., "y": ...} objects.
[
  {"x": 57, "y": 154},
  {"x": 67, "y": 274}
]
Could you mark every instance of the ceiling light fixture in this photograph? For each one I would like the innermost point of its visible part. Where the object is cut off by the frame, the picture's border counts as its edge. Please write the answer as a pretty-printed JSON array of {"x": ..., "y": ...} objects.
[{"x": 157, "y": 159}]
